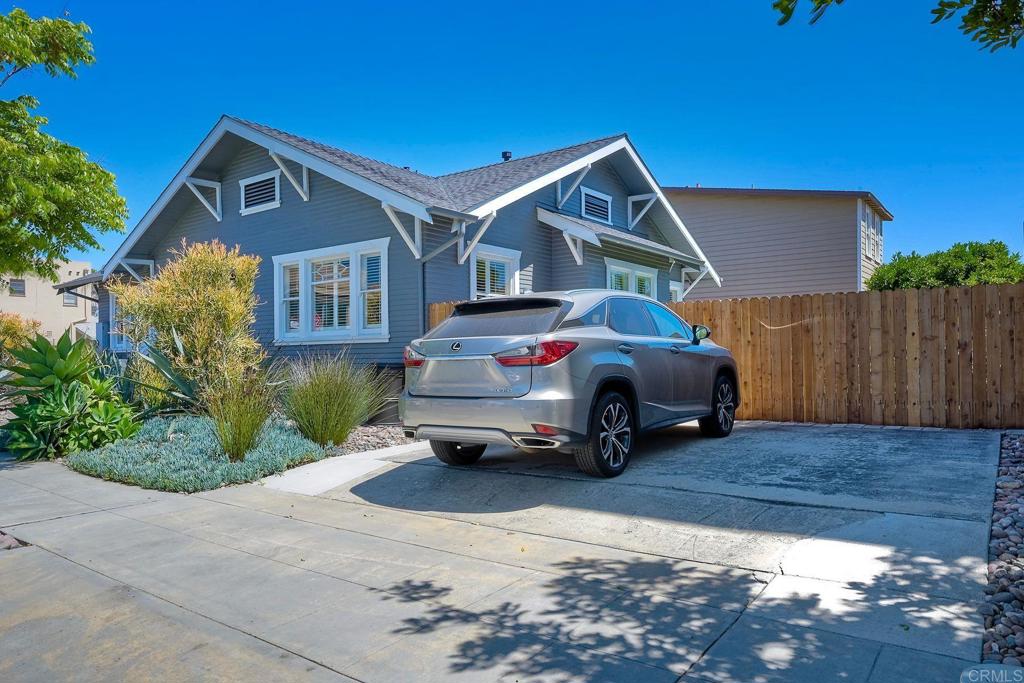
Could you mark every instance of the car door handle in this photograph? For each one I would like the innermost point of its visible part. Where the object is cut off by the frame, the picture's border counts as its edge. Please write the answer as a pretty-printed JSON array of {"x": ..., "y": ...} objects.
[
  {"x": 626, "y": 348},
  {"x": 675, "y": 349}
]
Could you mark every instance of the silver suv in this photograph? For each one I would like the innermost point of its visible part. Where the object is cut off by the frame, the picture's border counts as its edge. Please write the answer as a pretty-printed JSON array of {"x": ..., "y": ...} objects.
[{"x": 582, "y": 371}]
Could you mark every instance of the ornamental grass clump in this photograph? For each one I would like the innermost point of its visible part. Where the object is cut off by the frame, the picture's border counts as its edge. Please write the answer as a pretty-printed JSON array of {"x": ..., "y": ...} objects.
[
  {"x": 328, "y": 396},
  {"x": 239, "y": 409}
]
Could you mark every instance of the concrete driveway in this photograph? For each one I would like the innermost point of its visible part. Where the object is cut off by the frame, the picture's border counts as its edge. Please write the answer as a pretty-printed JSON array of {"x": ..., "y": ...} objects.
[{"x": 782, "y": 553}]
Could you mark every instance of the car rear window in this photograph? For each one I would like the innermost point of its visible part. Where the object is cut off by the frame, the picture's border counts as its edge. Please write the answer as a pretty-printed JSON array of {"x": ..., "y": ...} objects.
[{"x": 501, "y": 318}]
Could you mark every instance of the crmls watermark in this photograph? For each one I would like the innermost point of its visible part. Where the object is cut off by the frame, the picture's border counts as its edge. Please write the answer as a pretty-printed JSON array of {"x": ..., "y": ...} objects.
[{"x": 992, "y": 673}]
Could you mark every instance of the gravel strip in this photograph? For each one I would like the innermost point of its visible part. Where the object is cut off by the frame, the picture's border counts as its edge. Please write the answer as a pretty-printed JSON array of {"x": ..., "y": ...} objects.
[
  {"x": 1004, "y": 602},
  {"x": 370, "y": 438}
]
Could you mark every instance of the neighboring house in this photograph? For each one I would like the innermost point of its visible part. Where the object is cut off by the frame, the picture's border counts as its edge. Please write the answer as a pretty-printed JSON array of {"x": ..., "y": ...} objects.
[
  {"x": 354, "y": 250},
  {"x": 33, "y": 297},
  {"x": 779, "y": 242}
]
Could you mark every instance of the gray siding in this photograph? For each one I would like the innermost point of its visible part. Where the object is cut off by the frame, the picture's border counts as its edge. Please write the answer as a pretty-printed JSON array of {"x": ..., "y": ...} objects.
[
  {"x": 772, "y": 246},
  {"x": 337, "y": 215},
  {"x": 334, "y": 215}
]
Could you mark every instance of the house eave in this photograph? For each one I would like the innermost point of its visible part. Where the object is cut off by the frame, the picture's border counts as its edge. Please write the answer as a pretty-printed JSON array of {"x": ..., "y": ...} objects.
[{"x": 229, "y": 125}]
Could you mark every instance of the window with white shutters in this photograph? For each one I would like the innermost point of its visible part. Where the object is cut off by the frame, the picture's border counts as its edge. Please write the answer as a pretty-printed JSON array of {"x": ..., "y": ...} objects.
[
  {"x": 495, "y": 272},
  {"x": 630, "y": 277},
  {"x": 260, "y": 192},
  {"x": 595, "y": 205},
  {"x": 336, "y": 294}
]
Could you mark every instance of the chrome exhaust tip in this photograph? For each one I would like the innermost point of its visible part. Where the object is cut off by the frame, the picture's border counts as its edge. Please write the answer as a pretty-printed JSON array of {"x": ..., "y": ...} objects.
[{"x": 536, "y": 442}]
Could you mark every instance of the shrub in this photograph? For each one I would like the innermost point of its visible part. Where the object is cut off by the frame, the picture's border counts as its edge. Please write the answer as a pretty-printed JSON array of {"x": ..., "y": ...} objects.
[
  {"x": 149, "y": 386},
  {"x": 238, "y": 410},
  {"x": 66, "y": 418},
  {"x": 327, "y": 396},
  {"x": 15, "y": 332},
  {"x": 182, "y": 454},
  {"x": 68, "y": 406},
  {"x": 206, "y": 291}
]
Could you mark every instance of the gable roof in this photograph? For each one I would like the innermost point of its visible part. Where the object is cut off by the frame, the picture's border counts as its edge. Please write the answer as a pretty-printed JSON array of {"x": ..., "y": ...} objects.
[
  {"x": 459, "y": 191},
  {"x": 471, "y": 194},
  {"x": 475, "y": 186}
]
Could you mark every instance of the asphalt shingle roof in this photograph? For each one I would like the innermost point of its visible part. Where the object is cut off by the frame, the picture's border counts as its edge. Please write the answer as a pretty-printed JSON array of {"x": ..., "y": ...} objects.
[{"x": 458, "y": 191}]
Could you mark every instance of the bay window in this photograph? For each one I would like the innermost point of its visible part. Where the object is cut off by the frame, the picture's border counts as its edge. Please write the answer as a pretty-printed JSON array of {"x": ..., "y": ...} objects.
[{"x": 335, "y": 294}]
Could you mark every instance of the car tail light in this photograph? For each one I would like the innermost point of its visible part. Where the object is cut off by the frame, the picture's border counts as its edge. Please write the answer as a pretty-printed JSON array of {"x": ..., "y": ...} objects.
[
  {"x": 544, "y": 353},
  {"x": 412, "y": 358}
]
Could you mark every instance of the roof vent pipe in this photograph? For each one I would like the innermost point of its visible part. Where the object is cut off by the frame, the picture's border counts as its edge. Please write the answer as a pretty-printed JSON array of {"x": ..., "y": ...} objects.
[{"x": 506, "y": 155}]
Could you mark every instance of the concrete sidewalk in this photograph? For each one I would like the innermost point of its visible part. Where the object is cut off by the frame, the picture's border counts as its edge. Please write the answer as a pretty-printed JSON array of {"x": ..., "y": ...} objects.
[{"x": 515, "y": 570}]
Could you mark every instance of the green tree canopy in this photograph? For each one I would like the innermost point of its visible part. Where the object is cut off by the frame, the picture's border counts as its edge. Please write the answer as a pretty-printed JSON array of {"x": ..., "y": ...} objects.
[
  {"x": 52, "y": 198},
  {"x": 993, "y": 23},
  {"x": 965, "y": 263}
]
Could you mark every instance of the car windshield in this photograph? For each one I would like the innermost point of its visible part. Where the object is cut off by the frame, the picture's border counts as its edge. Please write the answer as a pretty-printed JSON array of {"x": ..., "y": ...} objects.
[{"x": 501, "y": 318}]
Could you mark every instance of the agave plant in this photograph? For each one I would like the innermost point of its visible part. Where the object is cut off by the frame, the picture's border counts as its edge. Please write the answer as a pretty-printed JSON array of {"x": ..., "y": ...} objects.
[
  {"x": 43, "y": 364},
  {"x": 184, "y": 390}
]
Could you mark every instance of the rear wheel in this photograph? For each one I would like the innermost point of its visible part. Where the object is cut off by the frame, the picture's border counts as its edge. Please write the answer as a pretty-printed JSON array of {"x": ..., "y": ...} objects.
[
  {"x": 455, "y": 453},
  {"x": 610, "y": 442},
  {"x": 723, "y": 410}
]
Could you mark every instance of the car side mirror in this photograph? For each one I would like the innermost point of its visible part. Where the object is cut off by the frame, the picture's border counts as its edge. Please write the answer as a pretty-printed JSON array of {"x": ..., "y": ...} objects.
[{"x": 701, "y": 332}]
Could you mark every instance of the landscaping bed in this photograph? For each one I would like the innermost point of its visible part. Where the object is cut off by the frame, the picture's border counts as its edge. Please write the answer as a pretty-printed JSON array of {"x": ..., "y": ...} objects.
[
  {"x": 182, "y": 454},
  {"x": 1003, "y": 609}
]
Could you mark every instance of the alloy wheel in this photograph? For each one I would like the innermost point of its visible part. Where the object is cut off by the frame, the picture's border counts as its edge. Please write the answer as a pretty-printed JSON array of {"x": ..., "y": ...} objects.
[
  {"x": 616, "y": 434},
  {"x": 726, "y": 406}
]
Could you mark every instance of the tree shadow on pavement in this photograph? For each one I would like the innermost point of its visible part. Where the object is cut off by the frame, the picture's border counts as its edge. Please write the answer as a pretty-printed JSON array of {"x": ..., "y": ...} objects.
[{"x": 599, "y": 619}]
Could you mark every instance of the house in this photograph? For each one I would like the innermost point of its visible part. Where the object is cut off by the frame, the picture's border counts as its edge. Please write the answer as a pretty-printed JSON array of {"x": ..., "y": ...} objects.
[
  {"x": 34, "y": 298},
  {"x": 780, "y": 242},
  {"x": 354, "y": 250}
]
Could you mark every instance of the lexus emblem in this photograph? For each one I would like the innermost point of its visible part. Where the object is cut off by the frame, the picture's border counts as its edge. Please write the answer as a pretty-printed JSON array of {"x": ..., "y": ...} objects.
[{"x": 456, "y": 346}]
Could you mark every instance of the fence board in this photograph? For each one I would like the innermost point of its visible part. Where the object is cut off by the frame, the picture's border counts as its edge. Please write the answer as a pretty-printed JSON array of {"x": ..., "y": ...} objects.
[
  {"x": 912, "y": 370},
  {"x": 933, "y": 357}
]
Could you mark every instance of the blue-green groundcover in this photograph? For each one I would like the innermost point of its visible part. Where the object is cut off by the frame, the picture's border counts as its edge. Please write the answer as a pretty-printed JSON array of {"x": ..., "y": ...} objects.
[{"x": 182, "y": 454}]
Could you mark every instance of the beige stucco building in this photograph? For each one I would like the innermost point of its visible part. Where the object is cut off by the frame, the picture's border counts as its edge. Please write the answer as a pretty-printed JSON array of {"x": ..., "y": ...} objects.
[
  {"x": 34, "y": 297},
  {"x": 783, "y": 242}
]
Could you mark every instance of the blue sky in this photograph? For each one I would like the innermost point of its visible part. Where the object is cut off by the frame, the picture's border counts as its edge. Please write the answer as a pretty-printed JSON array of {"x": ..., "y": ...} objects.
[{"x": 873, "y": 97}]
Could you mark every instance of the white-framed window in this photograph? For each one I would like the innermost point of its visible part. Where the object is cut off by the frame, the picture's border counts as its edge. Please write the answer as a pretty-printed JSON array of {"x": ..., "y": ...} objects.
[
  {"x": 595, "y": 205},
  {"x": 260, "y": 192},
  {"x": 119, "y": 341},
  {"x": 494, "y": 272},
  {"x": 630, "y": 277},
  {"x": 332, "y": 295},
  {"x": 16, "y": 286},
  {"x": 70, "y": 300},
  {"x": 675, "y": 291}
]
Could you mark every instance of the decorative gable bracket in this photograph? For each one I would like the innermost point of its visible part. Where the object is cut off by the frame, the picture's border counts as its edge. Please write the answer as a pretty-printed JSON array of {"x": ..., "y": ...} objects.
[
  {"x": 650, "y": 198},
  {"x": 195, "y": 183},
  {"x": 414, "y": 241},
  {"x": 303, "y": 189},
  {"x": 563, "y": 198},
  {"x": 468, "y": 249},
  {"x": 575, "y": 247}
]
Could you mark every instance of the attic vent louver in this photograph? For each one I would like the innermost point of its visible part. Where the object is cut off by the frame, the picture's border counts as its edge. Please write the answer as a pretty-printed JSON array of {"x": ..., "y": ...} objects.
[
  {"x": 596, "y": 205},
  {"x": 261, "y": 192}
]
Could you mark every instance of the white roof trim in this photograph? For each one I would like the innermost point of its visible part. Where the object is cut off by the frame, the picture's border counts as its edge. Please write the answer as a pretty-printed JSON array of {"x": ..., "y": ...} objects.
[
  {"x": 228, "y": 125},
  {"x": 567, "y": 226},
  {"x": 574, "y": 166}
]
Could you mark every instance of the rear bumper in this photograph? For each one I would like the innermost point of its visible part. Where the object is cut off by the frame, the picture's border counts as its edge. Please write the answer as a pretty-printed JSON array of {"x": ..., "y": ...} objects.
[{"x": 507, "y": 421}]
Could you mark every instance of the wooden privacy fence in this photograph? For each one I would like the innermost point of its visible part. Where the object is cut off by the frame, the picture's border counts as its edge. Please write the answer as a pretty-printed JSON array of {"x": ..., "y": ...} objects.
[{"x": 918, "y": 357}]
